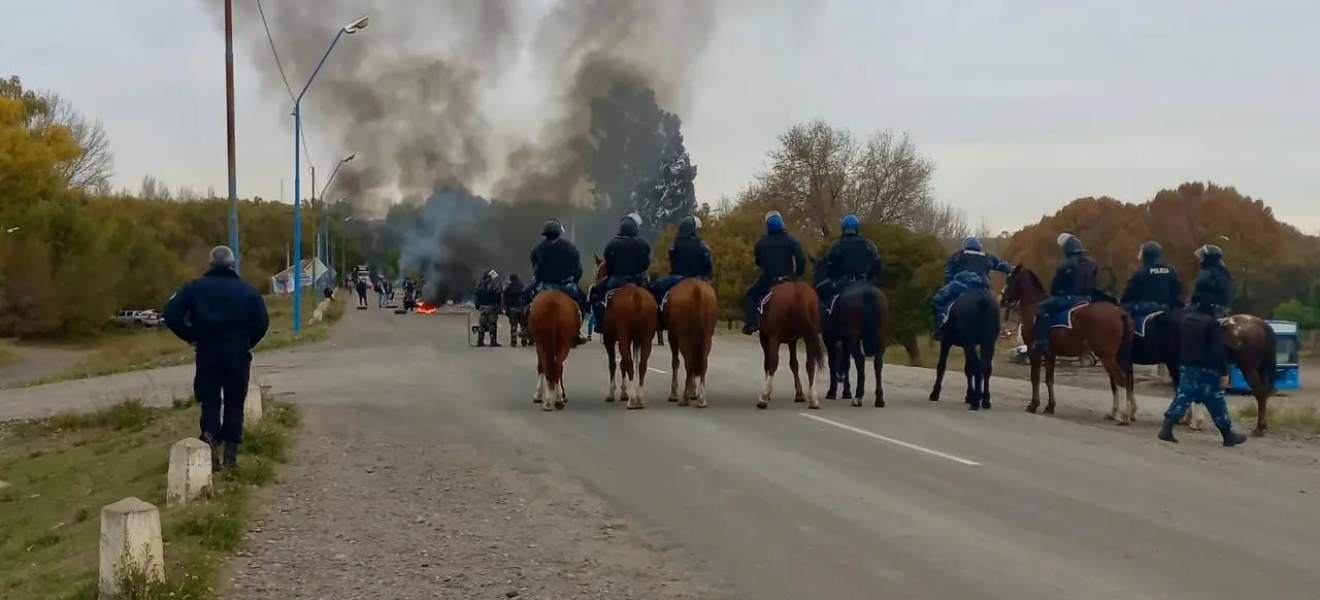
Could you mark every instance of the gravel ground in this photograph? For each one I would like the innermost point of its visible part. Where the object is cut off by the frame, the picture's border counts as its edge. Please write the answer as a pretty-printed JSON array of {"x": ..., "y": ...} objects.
[{"x": 365, "y": 515}]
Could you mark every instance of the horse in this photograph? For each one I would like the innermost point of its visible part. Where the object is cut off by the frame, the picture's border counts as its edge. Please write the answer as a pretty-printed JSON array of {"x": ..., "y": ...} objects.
[
  {"x": 973, "y": 325},
  {"x": 857, "y": 330},
  {"x": 1100, "y": 327},
  {"x": 832, "y": 337},
  {"x": 630, "y": 321},
  {"x": 790, "y": 312},
  {"x": 691, "y": 310},
  {"x": 553, "y": 319}
]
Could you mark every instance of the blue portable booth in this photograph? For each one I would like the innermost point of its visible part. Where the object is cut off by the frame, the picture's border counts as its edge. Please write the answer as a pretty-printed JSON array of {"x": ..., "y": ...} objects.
[{"x": 1287, "y": 345}]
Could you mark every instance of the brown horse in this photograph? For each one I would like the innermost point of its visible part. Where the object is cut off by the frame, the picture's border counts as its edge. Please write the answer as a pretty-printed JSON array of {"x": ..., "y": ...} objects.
[
  {"x": 791, "y": 312},
  {"x": 630, "y": 321},
  {"x": 1100, "y": 327},
  {"x": 553, "y": 319},
  {"x": 691, "y": 310},
  {"x": 1251, "y": 346}
]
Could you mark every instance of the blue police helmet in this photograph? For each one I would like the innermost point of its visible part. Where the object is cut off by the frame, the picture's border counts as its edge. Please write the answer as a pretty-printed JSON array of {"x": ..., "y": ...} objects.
[
  {"x": 774, "y": 222},
  {"x": 851, "y": 224},
  {"x": 972, "y": 243},
  {"x": 1150, "y": 252},
  {"x": 552, "y": 228}
]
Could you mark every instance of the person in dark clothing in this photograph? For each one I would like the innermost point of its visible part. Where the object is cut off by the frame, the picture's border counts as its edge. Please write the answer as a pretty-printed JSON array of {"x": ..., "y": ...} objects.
[
  {"x": 486, "y": 298},
  {"x": 966, "y": 269},
  {"x": 1203, "y": 368},
  {"x": 1215, "y": 278},
  {"x": 223, "y": 318},
  {"x": 1154, "y": 286},
  {"x": 689, "y": 256},
  {"x": 556, "y": 262},
  {"x": 627, "y": 257},
  {"x": 1074, "y": 282},
  {"x": 362, "y": 293},
  {"x": 516, "y": 309},
  {"x": 779, "y": 257},
  {"x": 850, "y": 259}
]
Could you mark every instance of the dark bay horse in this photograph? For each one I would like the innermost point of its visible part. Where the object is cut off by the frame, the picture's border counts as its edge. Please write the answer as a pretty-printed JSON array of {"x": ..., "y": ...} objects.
[
  {"x": 854, "y": 327},
  {"x": 554, "y": 320},
  {"x": 791, "y": 312},
  {"x": 973, "y": 325},
  {"x": 629, "y": 322},
  {"x": 691, "y": 310},
  {"x": 1100, "y": 327}
]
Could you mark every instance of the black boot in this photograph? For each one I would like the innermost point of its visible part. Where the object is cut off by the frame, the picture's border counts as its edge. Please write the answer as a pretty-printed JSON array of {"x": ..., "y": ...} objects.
[
  {"x": 1233, "y": 438},
  {"x": 481, "y": 339},
  {"x": 494, "y": 343},
  {"x": 216, "y": 467},
  {"x": 231, "y": 455},
  {"x": 1166, "y": 431},
  {"x": 749, "y": 319}
]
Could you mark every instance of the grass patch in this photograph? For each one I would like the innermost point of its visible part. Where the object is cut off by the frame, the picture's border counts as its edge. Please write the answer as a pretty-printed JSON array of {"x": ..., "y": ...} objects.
[
  {"x": 137, "y": 350},
  {"x": 1284, "y": 414},
  {"x": 60, "y": 471},
  {"x": 8, "y": 357}
]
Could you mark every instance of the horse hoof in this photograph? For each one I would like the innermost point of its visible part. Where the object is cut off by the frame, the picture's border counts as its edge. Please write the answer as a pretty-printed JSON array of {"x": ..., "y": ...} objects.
[
  {"x": 800, "y": 399},
  {"x": 1049, "y": 410},
  {"x": 985, "y": 405},
  {"x": 831, "y": 395},
  {"x": 673, "y": 399},
  {"x": 1257, "y": 432},
  {"x": 536, "y": 400},
  {"x": 609, "y": 399},
  {"x": 847, "y": 395},
  {"x": 681, "y": 402},
  {"x": 973, "y": 406},
  {"x": 1109, "y": 417},
  {"x": 560, "y": 405},
  {"x": 762, "y": 404},
  {"x": 1122, "y": 422},
  {"x": 879, "y": 403},
  {"x": 934, "y": 397},
  {"x": 1031, "y": 408},
  {"x": 636, "y": 407},
  {"x": 814, "y": 407},
  {"x": 856, "y": 403}
]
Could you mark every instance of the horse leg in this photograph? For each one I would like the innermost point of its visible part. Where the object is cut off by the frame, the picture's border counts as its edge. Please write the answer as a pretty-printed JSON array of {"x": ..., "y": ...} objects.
[
  {"x": 1035, "y": 357},
  {"x": 673, "y": 375},
  {"x": 830, "y": 355},
  {"x": 798, "y": 394},
  {"x": 845, "y": 370},
  {"x": 613, "y": 392},
  {"x": 879, "y": 367},
  {"x": 1118, "y": 412},
  {"x": 1260, "y": 390},
  {"x": 1051, "y": 361},
  {"x": 628, "y": 364},
  {"x": 987, "y": 368},
  {"x": 770, "y": 347},
  {"x": 972, "y": 370},
  {"x": 644, "y": 349},
  {"x": 859, "y": 362},
  {"x": 939, "y": 371}
]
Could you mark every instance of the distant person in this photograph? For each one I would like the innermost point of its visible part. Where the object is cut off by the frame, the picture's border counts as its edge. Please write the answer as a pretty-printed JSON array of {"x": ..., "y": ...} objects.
[
  {"x": 329, "y": 292},
  {"x": 223, "y": 318},
  {"x": 380, "y": 293},
  {"x": 362, "y": 293}
]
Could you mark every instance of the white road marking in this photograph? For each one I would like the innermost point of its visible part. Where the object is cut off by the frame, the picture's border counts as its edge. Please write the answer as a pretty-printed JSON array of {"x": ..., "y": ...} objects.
[
  {"x": 908, "y": 445},
  {"x": 655, "y": 370}
]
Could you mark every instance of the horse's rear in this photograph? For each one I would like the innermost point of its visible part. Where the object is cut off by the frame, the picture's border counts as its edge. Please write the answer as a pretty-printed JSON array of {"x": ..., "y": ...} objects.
[
  {"x": 552, "y": 319},
  {"x": 630, "y": 321},
  {"x": 791, "y": 313},
  {"x": 973, "y": 325},
  {"x": 691, "y": 310},
  {"x": 1107, "y": 330},
  {"x": 1251, "y": 346},
  {"x": 864, "y": 317}
]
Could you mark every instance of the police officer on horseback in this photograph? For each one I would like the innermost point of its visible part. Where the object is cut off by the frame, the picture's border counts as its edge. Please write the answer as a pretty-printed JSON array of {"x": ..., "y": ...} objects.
[
  {"x": 1154, "y": 286},
  {"x": 689, "y": 256},
  {"x": 778, "y": 256},
  {"x": 627, "y": 257},
  {"x": 1074, "y": 282},
  {"x": 851, "y": 259},
  {"x": 557, "y": 262},
  {"x": 1214, "y": 278},
  {"x": 966, "y": 269}
]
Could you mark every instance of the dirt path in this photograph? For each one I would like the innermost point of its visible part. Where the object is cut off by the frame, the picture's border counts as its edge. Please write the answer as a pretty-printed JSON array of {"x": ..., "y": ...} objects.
[
  {"x": 36, "y": 362},
  {"x": 365, "y": 515}
]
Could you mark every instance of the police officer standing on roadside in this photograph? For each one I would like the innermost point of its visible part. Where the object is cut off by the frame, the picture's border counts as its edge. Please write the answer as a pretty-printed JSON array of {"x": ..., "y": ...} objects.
[{"x": 223, "y": 318}]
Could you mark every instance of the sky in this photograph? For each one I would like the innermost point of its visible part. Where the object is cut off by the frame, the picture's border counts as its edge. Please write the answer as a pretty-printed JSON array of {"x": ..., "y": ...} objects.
[{"x": 1023, "y": 104}]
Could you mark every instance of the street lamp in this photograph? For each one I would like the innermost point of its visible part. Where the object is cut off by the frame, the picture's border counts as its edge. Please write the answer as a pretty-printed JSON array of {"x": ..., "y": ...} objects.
[
  {"x": 349, "y": 29},
  {"x": 323, "y": 229}
]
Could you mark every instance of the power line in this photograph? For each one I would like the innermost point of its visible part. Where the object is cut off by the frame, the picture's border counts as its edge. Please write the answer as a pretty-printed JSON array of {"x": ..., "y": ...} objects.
[{"x": 280, "y": 65}]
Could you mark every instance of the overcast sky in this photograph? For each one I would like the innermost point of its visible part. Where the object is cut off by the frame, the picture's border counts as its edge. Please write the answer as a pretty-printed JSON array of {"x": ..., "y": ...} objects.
[{"x": 1024, "y": 104}]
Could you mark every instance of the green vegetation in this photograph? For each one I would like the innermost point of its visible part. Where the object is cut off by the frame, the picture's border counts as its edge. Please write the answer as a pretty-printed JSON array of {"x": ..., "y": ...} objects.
[{"x": 60, "y": 472}]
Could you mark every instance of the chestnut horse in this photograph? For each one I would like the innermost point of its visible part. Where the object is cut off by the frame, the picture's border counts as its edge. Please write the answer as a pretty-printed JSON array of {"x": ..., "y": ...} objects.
[
  {"x": 553, "y": 320},
  {"x": 630, "y": 320},
  {"x": 791, "y": 312},
  {"x": 1100, "y": 327},
  {"x": 691, "y": 310}
]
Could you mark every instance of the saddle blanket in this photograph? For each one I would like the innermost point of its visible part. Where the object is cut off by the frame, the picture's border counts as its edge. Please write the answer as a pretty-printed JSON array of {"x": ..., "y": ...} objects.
[
  {"x": 829, "y": 306},
  {"x": 665, "y": 299},
  {"x": 1064, "y": 317},
  {"x": 1139, "y": 323},
  {"x": 760, "y": 306}
]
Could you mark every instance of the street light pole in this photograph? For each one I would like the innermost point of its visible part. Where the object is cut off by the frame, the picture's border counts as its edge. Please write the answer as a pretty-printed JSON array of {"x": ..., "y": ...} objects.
[
  {"x": 229, "y": 118},
  {"x": 350, "y": 29},
  {"x": 323, "y": 244}
]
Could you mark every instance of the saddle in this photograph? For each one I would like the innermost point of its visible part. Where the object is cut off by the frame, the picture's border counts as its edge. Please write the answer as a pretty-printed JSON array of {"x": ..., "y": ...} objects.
[{"x": 1063, "y": 318}]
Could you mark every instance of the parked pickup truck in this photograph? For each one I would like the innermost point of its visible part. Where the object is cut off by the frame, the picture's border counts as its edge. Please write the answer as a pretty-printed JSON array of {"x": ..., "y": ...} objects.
[{"x": 140, "y": 318}]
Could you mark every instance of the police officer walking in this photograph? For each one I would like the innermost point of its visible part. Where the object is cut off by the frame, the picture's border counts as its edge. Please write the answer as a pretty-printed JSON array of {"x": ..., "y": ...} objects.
[
  {"x": 1214, "y": 278},
  {"x": 516, "y": 309},
  {"x": 1154, "y": 286},
  {"x": 1203, "y": 367},
  {"x": 487, "y": 300},
  {"x": 627, "y": 257},
  {"x": 557, "y": 262},
  {"x": 223, "y": 318},
  {"x": 778, "y": 256}
]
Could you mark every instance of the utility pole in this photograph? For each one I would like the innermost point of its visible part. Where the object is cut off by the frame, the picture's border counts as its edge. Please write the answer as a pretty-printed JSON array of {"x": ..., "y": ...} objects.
[{"x": 229, "y": 118}]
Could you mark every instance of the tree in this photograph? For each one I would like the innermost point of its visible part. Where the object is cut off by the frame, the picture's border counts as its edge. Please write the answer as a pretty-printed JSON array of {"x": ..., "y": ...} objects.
[
  {"x": 913, "y": 271},
  {"x": 94, "y": 163},
  {"x": 674, "y": 194}
]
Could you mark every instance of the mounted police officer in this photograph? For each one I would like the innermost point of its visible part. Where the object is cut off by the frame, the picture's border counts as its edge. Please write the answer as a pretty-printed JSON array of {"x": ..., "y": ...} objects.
[
  {"x": 1215, "y": 279},
  {"x": 516, "y": 310},
  {"x": 1154, "y": 286},
  {"x": 966, "y": 269},
  {"x": 1074, "y": 282},
  {"x": 557, "y": 262},
  {"x": 1203, "y": 365},
  {"x": 627, "y": 257},
  {"x": 778, "y": 256},
  {"x": 850, "y": 259},
  {"x": 487, "y": 299},
  {"x": 689, "y": 256}
]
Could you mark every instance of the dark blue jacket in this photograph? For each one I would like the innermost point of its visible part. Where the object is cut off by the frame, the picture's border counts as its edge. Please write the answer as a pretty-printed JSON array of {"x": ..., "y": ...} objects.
[
  {"x": 689, "y": 256},
  {"x": 513, "y": 294},
  {"x": 557, "y": 261},
  {"x": 1154, "y": 282},
  {"x": 1075, "y": 277},
  {"x": 627, "y": 256},
  {"x": 780, "y": 255},
  {"x": 852, "y": 256},
  {"x": 974, "y": 261},
  {"x": 486, "y": 294},
  {"x": 1203, "y": 342},
  {"x": 219, "y": 313},
  {"x": 1215, "y": 279}
]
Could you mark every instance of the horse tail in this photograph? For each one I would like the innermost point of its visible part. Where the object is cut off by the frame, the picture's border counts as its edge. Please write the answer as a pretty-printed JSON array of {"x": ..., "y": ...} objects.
[
  {"x": 870, "y": 323},
  {"x": 1125, "y": 343},
  {"x": 701, "y": 335},
  {"x": 1269, "y": 360}
]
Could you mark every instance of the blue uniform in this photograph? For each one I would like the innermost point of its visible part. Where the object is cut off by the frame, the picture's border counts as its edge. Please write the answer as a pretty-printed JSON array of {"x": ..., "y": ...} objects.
[
  {"x": 1217, "y": 282},
  {"x": 1074, "y": 282},
  {"x": 689, "y": 256},
  {"x": 1153, "y": 287},
  {"x": 966, "y": 269},
  {"x": 850, "y": 259},
  {"x": 556, "y": 262},
  {"x": 1204, "y": 361},
  {"x": 224, "y": 318},
  {"x": 778, "y": 256},
  {"x": 627, "y": 257}
]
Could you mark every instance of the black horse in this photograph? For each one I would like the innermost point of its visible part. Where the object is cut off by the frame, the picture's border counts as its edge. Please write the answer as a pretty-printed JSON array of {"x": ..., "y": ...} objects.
[
  {"x": 853, "y": 326},
  {"x": 973, "y": 325}
]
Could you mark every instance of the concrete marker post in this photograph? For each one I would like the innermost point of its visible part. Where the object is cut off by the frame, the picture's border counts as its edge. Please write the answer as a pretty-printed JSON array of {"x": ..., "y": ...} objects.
[
  {"x": 253, "y": 411},
  {"x": 190, "y": 472},
  {"x": 130, "y": 544}
]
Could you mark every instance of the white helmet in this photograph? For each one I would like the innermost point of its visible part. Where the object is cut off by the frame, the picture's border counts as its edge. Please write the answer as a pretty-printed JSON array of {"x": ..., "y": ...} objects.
[
  {"x": 697, "y": 221},
  {"x": 1063, "y": 237},
  {"x": 636, "y": 218},
  {"x": 492, "y": 274}
]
